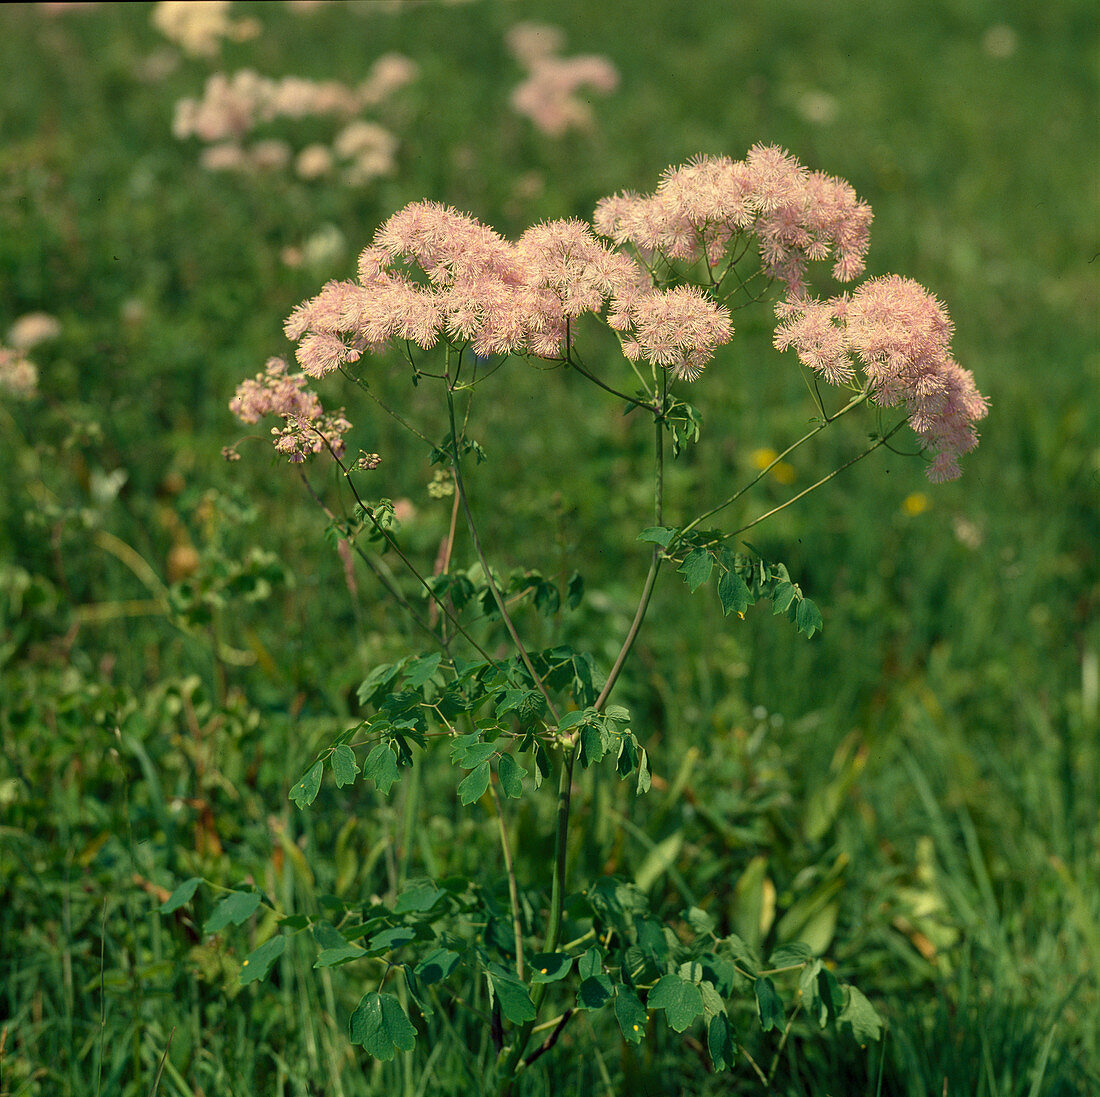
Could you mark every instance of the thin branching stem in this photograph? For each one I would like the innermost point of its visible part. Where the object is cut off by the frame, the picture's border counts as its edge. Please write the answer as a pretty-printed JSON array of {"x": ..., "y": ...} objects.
[
  {"x": 471, "y": 525},
  {"x": 824, "y": 480},
  {"x": 855, "y": 402},
  {"x": 513, "y": 889}
]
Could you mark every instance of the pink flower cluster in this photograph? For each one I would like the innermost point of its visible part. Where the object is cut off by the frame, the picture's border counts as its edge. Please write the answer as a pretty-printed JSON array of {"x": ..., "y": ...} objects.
[
  {"x": 700, "y": 207},
  {"x": 901, "y": 335},
  {"x": 307, "y": 428},
  {"x": 435, "y": 273},
  {"x": 233, "y": 106},
  {"x": 549, "y": 94}
]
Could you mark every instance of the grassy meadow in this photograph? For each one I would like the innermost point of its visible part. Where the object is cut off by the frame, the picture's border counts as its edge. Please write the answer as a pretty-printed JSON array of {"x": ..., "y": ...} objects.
[{"x": 916, "y": 789}]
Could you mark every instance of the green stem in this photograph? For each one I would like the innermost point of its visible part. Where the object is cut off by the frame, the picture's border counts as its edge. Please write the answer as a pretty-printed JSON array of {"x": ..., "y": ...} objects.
[
  {"x": 460, "y": 487},
  {"x": 511, "y": 1061},
  {"x": 855, "y": 402},
  {"x": 513, "y": 889},
  {"x": 654, "y": 563},
  {"x": 824, "y": 480}
]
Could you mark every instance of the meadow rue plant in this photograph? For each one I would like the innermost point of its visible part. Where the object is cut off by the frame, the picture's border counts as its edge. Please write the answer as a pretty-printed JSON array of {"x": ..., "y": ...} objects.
[{"x": 663, "y": 272}]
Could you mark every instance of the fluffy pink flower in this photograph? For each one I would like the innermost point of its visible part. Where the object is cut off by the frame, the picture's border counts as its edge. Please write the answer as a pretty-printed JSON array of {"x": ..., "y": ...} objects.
[
  {"x": 678, "y": 328},
  {"x": 901, "y": 335},
  {"x": 433, "y": 273},
  {"x": 700, "y": 207},
  {"x": 307, "y": 428}
]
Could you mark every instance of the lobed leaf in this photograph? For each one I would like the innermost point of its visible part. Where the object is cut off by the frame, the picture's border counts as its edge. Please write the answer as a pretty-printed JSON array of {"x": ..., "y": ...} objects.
[
  {"x": 305, "y": 791},
  {"x": 681, "y": 1000},
  {"x": 630, "y": 1013},
  {"x": 236, "y": 908},
  {"x": 259, "y": 962},
  {"x": 181, "y": 896},
  {"x": 381, "y": 1026}
]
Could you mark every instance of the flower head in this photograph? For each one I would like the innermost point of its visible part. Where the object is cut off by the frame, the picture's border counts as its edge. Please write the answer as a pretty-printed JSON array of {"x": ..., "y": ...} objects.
[
  {"x": 699, "y": 207},
  {"x": 307, "y": 428},
  {"x": 901, "y": 335}
]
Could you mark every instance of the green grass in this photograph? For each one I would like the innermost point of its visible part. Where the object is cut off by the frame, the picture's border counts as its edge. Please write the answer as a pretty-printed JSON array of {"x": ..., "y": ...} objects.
[{"x": 936, "y": 746}]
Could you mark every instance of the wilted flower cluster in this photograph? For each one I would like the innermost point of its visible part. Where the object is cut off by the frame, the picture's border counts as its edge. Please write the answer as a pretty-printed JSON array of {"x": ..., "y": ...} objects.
[
  {"x": 901, "y": 335},
  {"x": 232, "y": 106},
  {"x": 307, "y": 428},
  {"x": 549, "y": 95},
  {"x": 198, "y": 26},
  {"x": 700, "y": 207}
]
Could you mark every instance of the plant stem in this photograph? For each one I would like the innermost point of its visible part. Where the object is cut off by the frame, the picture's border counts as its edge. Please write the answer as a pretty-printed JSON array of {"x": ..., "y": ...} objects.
[
  {"x": 460, "y": 487},
  {"x": 654, "y": 565},
  {"x": 824, "y": 480},
  {"x": 856, "y": 400},
  {"x": 513, "y": 890}
]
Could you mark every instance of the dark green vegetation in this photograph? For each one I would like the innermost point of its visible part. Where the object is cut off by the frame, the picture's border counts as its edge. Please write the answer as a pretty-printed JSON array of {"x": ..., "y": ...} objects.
[{"x": 920, "y": 780}]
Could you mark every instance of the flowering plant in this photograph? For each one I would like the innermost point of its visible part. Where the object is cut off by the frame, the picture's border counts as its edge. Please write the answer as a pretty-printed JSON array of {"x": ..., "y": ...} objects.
[{"x": 663, "y": 272}]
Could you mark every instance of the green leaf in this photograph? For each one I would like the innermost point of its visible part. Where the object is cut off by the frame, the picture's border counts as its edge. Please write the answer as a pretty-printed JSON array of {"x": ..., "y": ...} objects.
[
  {"x": 808, "y": 618},
  {"x": 720, "y": 1042},
  {"x": 341, "y": 954},
  {"x": 733, "y": 592},
  {"x": 769, "y": 1004},
  {"x": 393, "y": 937},
  {"x": 630, "y": 1013},
  {"x": 681, "y": 1000},
  {"x": 259, "y": 962},
  {"x": 343, "y": 765},
  {"x": 419, "y": 898},
  {"x": 645, "y": 778},
  {"x": 420, "y": 670},
  {"x": 591, "y": 963},
  {"x": 696, "y": 568},
  {"x": 182, "y": 895},
  {"x": 381, "y": 1026},
  {"x": 659, "y": 535},
  {"x": 574, "y": 592},
  {"x": 859, "y": 1015},
  {"x": 549, "y": 967},
  {"x": 475, "y": 753},
  {"x": 713, "y": 1002},
  {"x": 437, "y": 965},
  {"x": 305, "y": 791},
  {"x": 381, "y": 768},
  {"x": 472, "y": 787},
  {"x": 782, "y": 596},
  {"x": 700, "y": 921},
  {"x": 511, "y": 775},
  {"x": 515, "y": 1002},
  {"x": 571, "y": 719},
  {"x": 594, "y": 743},
  {"x": 790, "y": 955},
  {"x": 237, "y": 907},
  {"x": 594, "y": 992},
  {"x": 376, "y": 681}
]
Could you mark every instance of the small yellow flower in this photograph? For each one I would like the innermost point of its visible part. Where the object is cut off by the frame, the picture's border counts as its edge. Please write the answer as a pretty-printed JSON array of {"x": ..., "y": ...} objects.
[
  {"x": 915, "y": 504},
  {"x": 761, "y": 458}
]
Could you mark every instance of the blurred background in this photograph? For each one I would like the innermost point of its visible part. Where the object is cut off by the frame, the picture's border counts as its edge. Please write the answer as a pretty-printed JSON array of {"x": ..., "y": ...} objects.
[{"x": 915, "y": 789}]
